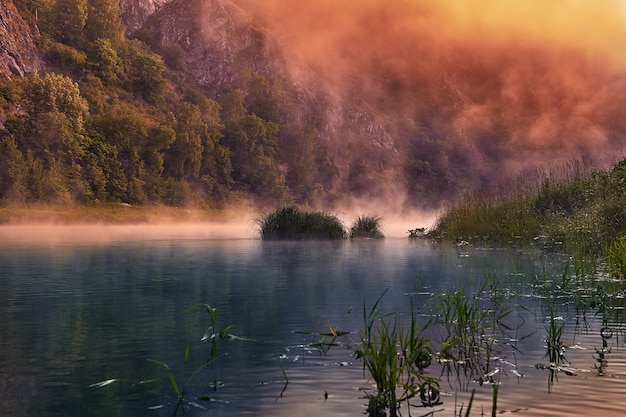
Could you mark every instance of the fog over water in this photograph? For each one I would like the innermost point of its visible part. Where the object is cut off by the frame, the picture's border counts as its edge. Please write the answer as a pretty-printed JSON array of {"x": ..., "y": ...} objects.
[{"x": 244, "y": 227}]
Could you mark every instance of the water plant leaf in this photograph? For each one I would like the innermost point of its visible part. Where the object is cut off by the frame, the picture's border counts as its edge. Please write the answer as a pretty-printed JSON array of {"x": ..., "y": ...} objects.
[
  {"x": 208, "y": 398},
  {"x": 195, "y": 404},
  {"x": 231, "y": 336},
  {"x": 171, "y": 376},
  {"x": 208, "y": 334},
  {"x": 103, "y": 383}
]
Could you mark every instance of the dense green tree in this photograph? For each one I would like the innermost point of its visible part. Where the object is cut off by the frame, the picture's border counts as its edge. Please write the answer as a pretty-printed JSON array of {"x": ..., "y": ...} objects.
[
  {"x": 92, "y": 89},
  {"x": 216, "y": 170},
  {"x": 301, "y": 151},
  {"x": 253, "y": 143},
  {"x": 139, "y": 144},
  {"x": 144, "y": 71},
  {"x": 56, "y": 93},
  {"x": 13, "y": 171},
  {"x": 259, "y": 96},
  {"x": 104, "y": 21},
  {"x": 68, "y": 21},
  {"x": 104, "y": 61},
  {"x": 185, "y": 155},
  {"x": 66, "y": 59},
  {"x": 103, "y": 171},
  {"x": 54, "y": 118}
]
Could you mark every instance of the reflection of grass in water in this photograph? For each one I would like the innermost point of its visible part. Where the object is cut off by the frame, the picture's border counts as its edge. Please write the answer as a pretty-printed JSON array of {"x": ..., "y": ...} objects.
[
  {"x": 474, "y": 334},
  {"x": 472, "y": 331},
  {"x": 554, "y": 346}
]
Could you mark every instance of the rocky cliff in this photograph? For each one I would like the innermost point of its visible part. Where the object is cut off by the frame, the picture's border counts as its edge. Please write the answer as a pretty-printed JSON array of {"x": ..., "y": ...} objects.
[
  {"x": 218, "y": 39},
  {"x": 136, "y": 12},
  {"x": 18, "y": 53}
]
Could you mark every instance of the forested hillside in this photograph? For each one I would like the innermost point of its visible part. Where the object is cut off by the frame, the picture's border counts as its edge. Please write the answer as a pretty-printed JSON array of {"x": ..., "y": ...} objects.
[{"x": 201, "y": 103}]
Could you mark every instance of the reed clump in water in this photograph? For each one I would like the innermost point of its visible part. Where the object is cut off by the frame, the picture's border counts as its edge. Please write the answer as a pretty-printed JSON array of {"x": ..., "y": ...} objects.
[
  {"x": 367, "y": 227},
  {"x": 292, "y": 223},
  {"x": 396, "y": 358}
]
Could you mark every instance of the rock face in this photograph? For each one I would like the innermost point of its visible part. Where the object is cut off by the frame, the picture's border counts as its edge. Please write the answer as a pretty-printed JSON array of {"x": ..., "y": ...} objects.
[
  {"x": 218, "y": 39},
  {"x": 18, "y": 54},
  {"x": 135, "y": 12}
]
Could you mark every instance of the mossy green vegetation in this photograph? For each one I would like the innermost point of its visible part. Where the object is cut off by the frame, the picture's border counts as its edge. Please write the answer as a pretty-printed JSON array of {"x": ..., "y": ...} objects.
[
  {"x": 574, "y": 209},
  {"x": 292, "y": 223}
]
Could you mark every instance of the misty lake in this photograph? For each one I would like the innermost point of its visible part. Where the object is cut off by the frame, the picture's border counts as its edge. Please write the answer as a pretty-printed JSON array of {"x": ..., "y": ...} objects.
[{"x": 87, "y": 324}]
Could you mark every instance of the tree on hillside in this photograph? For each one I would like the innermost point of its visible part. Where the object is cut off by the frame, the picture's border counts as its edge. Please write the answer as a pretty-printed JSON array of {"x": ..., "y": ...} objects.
[
  {"x": 68, "y": 21},
  {"x": 104, "y": 21},
  {"x": 104, "y": 61},
  {"x": 185, "y": 155},
  {"x": 300, "y": 149},
  {"x": 49, "y": 133},
  {"x": 139, "y": 145},
  {"x": 13, "y": 172},
  {"x": 144, "y": 71},
  {"x": 253, "y": 143}
]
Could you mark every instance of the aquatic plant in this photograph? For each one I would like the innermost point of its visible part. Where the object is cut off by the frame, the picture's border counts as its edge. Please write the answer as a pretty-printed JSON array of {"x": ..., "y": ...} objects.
[
  {"x": 571, "y": 209},
  {"x": 554, "y": 347},
  {"x": 417, "y": 232},
  {"x": 473, "y": 326},
  {"x": 212, "y": 335},
  {"x": 291, "y": 223},
  {"x": 324, "y": 340},
  {"x": 615, "y": 258},
  {"x": 366, "y": 227},
  {"x": 396, "y": 358}
]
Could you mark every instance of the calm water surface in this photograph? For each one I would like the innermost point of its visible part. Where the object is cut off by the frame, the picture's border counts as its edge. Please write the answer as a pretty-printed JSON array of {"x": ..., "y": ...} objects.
[{"x": 76, "y": 313}]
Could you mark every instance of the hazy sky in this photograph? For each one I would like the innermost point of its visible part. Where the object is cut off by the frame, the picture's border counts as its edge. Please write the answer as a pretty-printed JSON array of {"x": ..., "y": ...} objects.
[
  {"x": 551, "y": 72},
  {"x": 318, "y": 26}
]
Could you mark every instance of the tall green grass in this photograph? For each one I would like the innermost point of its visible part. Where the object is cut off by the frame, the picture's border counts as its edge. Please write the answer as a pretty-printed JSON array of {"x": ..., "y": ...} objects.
[
  {"x": 396, "y": 356},
  {"x": 473, "y": 326},
  {"x": 292, "y": 223},
  {"x": 367, "y": 227},
  {"x": 571, "y": 208}
]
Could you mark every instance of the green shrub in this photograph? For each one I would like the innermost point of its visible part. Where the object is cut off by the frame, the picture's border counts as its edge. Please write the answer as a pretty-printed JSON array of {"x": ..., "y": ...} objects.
[
  {"x": 291, "y": 223},
  {"x": 366, "y": 227}
]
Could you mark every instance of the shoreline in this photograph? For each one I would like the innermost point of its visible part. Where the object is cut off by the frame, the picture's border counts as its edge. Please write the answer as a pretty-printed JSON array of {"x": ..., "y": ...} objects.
[
  {"x": 53, "y": 225},
  {"x": 117, "y": 214},
  {"x": 59, "y": 223}
]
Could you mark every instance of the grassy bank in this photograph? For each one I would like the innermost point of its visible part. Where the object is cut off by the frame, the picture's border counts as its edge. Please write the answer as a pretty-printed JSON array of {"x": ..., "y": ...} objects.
[
  {"x": 571, "y": 209},
  {"x": 107, "y": 214}
]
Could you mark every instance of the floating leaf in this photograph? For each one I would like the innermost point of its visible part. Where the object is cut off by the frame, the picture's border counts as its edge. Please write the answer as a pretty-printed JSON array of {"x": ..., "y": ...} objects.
[
  {"x": 102, "y": 383},
  {"x": 208, "y": 398}
]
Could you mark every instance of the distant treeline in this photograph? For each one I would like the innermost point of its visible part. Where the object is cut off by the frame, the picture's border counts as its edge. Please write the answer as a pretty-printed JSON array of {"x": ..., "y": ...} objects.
[{"x": 112, "y": 119}]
